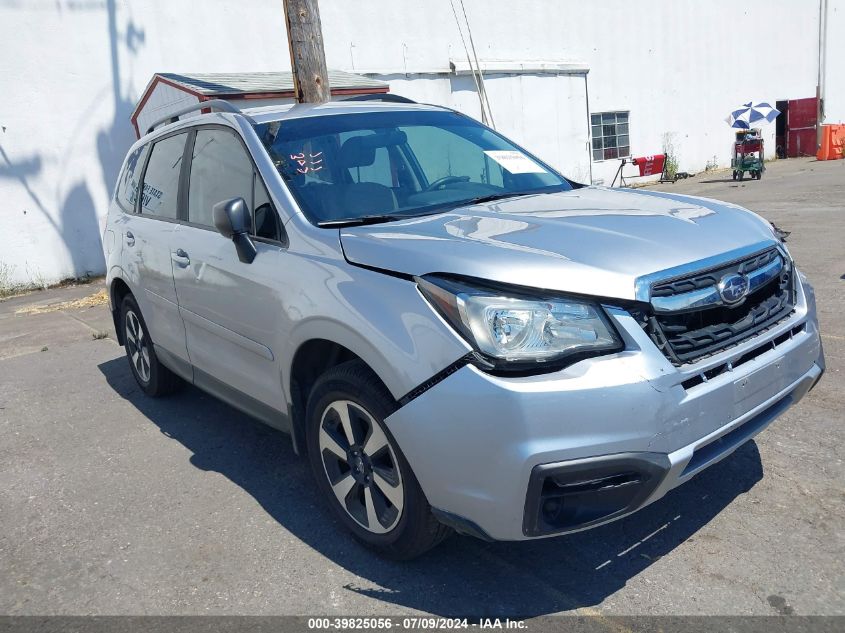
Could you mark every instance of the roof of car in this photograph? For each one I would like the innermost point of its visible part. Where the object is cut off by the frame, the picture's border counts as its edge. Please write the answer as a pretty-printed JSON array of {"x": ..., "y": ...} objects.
[
  {"x": 299, "y": 110},
  {"x": 279, "y": 112}
]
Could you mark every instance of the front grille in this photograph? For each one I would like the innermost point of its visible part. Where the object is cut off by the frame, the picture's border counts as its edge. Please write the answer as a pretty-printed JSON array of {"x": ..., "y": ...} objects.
[{"x": 686, "y": 331}]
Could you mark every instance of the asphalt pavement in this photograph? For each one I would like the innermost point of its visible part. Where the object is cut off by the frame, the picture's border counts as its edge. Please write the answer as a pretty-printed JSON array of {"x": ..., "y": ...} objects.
[{"x": 115, "y": 503}]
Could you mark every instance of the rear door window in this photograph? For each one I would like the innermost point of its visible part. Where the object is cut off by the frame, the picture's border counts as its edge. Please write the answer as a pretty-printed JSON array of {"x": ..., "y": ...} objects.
[{"x": 160, "y": 195}]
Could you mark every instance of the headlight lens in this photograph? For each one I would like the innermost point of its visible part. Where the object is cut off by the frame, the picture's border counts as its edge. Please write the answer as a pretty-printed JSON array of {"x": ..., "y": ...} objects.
[{"x": 516, "y": 328}]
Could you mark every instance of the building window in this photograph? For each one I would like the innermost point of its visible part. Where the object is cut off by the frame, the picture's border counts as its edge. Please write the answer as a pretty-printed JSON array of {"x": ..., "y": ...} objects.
[{"x": 610, "y": 135}]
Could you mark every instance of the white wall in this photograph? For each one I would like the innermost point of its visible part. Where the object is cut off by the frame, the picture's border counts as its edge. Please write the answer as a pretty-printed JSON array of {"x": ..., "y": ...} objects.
[
  {"x": 675, "y": 65},
  {"x": 834, "y": 63},
  {"x": 72, "y": 70}
]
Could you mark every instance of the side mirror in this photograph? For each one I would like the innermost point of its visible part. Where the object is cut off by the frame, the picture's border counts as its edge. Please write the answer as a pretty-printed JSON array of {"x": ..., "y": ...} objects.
[{"x": 232, "y": 220}]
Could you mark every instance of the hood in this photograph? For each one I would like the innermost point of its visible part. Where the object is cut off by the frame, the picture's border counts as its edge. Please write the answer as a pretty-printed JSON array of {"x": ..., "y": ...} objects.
[{"x": 593, "y": 241}]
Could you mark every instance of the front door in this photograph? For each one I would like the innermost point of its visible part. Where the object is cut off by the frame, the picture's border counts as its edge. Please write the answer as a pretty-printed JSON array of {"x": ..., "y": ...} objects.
[{"x": 231, "y": 309}]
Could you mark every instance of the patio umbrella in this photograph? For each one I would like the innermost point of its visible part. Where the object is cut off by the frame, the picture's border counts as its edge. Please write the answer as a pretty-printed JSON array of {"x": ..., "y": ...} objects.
[{"x": 750, "y": 113}]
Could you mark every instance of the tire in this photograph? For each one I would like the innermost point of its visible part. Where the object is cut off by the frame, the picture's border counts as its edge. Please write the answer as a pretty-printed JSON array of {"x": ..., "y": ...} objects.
[
  {"x": 153, "y": 377},
  {"x": 734, "y": 174},
  {"x": 741, "y": 175},
  {"x": 383, "y": 505}
]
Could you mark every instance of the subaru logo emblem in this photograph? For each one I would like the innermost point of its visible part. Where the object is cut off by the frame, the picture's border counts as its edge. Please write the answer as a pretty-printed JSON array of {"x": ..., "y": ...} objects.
[{"x": 733, "y": 288}]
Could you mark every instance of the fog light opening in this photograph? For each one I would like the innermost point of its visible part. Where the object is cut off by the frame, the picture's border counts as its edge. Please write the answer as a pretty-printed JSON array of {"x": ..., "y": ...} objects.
[{"x": 551, "y": 509}]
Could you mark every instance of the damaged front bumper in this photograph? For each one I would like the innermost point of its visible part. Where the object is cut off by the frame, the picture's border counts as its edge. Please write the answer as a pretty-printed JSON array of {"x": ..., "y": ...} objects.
[{"x": 516, "y": 458}]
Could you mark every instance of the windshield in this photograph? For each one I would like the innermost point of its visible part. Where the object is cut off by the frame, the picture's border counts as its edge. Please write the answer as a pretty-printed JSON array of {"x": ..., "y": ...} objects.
[{"x": 382, "y": 165}]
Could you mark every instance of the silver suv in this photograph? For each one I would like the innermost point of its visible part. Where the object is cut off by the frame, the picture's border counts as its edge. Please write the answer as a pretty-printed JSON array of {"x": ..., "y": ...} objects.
[{"x": 456, "y": 336}]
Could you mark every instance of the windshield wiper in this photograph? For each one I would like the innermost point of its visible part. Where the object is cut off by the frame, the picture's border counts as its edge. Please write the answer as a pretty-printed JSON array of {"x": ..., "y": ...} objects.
[
  {"x": 492, "y": 197},
  {"x": 501, "y": 196},
  {"x": 433, "y": 210},
  {"x": 362, "y": 220}
]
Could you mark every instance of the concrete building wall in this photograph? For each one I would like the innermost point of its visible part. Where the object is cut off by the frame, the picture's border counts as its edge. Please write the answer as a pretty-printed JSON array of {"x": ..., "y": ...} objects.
[
  {"x": 679, "y": 68},
  {"x": 834, "y": 63},
  {"x": 71, "y": 72}
]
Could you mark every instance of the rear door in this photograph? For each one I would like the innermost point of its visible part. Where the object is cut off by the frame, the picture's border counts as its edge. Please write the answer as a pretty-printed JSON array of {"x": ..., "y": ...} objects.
[
  {"x": 146, "y": 235},
  {"x": 231, "y": 310}
]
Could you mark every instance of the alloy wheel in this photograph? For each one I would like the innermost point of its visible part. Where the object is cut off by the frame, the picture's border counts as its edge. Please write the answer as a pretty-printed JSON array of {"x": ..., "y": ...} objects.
[
  {"x": 137, "y": 346},
  {"x": 361, "y": 466}
]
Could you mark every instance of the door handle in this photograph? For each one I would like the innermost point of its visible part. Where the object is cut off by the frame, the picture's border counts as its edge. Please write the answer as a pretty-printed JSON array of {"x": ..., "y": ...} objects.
[
  {"x": 180, "y": 257},
  {"x": 130, "y": 239}
]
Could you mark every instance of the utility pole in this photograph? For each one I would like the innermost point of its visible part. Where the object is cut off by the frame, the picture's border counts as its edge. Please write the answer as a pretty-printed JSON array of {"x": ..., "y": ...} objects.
[
  {"x": 822, "y": 71},
  {"x": 307, "y": 57}
]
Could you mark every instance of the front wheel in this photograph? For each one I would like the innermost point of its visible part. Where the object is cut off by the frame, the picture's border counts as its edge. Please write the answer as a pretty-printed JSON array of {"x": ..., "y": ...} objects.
[{"x": 359, "y": 468}]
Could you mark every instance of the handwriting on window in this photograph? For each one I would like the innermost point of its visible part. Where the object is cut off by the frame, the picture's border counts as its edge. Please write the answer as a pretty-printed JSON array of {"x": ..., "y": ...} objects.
[{"x": 307, "y": 163}]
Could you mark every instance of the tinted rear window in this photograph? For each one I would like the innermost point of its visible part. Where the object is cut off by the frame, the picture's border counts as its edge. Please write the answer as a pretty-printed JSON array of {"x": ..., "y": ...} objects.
[{"x": 161, "y": 180}]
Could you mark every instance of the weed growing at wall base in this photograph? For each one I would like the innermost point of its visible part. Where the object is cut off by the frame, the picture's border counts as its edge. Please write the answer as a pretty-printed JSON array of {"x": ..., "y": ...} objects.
[
  {"x": 7, "y": 288},
  {"x": 671, "y": 161}
]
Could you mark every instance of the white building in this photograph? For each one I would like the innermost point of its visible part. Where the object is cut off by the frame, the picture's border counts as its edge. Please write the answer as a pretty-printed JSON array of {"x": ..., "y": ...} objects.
[{"x": 72, "y": 71}]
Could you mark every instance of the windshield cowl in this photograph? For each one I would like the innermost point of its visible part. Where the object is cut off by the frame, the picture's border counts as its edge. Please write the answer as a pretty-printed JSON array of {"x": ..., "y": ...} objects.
[{"x": 376, "y": 219}]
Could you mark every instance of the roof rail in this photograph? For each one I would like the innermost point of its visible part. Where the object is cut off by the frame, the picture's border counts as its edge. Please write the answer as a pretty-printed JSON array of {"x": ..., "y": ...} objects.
[
  {"x": 384, "y": 96},
  {"x": 212, "y": 104}
]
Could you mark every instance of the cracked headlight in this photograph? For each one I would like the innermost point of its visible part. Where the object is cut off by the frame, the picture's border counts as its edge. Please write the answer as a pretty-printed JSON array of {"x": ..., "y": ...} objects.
[{"x": 515, "y": 328}]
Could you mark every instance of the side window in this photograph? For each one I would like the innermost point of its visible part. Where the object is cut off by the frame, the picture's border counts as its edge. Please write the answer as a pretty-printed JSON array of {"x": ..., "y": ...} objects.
[
  {"x": 220, "y": 169},
  {"x": 129, "y": 182},
  {"x": 161, "y": 180},
  {"x": 266, "y": 222}
]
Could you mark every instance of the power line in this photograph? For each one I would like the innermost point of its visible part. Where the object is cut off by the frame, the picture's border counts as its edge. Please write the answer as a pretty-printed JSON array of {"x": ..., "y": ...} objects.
[
  {"x": 478, "y": 87},
  {"x": 478, "y": 66}
]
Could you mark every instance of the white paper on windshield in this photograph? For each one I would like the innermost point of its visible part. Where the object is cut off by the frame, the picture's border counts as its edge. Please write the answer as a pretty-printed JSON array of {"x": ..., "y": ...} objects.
[{"x": 515, "y": 162}]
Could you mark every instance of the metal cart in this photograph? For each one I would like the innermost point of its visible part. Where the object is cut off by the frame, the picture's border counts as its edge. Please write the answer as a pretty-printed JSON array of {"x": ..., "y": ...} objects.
[{"x": 748, "y": 155}]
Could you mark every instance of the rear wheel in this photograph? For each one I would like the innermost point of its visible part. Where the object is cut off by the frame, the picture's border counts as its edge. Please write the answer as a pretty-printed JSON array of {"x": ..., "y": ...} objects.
[
  {"x": 359, "y": 468},
  {"x": 153, "y": 377},
  {"x": 741, "y": 175}
]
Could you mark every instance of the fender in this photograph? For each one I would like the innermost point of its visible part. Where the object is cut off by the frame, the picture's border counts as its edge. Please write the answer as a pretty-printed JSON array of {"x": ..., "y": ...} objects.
[{"x": 387, "y": 323}]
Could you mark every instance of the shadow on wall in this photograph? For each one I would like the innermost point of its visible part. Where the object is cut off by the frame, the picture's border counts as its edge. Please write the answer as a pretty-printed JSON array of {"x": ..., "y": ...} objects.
[
  {"x": 462, "y": 577},
  {"x": 74, "y": 216}
]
